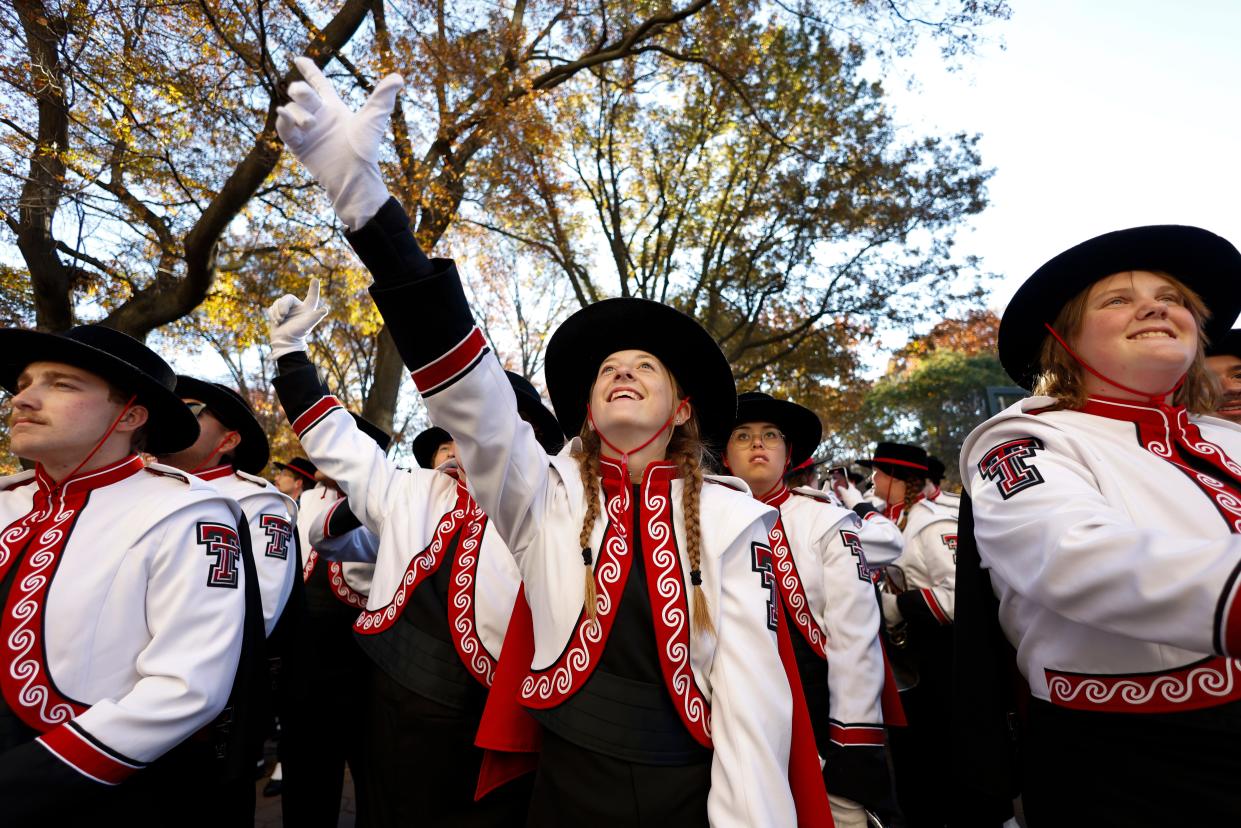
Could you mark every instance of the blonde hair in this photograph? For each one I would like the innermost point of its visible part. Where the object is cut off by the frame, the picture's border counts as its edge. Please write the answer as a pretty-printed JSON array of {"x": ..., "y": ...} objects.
[
  {"x": 1061, "y": 376},
  {"x": 687, "y": 452}
]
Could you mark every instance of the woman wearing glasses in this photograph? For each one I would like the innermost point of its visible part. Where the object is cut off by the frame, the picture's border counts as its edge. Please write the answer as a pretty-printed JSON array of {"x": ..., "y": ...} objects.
[{"x": 827, "y": 599}]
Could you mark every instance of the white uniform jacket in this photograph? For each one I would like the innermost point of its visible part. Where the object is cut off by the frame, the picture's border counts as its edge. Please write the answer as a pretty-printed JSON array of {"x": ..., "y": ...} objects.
[
  {"x": 949, "y": 500},
  {"x": 929, "y": 561},
  {"x": 881, "y": 538},
  {"x": 123, "y": 621},
  {"x": 348, "y": 557},
  {"x": 826, "y": 586},
  {"x": 415, "y": 515},
  {"x": 1110, "y": 535},
  {"x": 272, "y": 516},
  {"x": 731, "y": 692}
]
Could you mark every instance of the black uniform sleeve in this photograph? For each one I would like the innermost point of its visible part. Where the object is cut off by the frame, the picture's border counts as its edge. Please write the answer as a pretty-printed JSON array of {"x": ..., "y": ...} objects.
[
  {"x": 341, "y": 520},
  {"x": 857, "y": 772},
  {"x": 36, "y": 786},
  {"x": 297, "y": 384}
]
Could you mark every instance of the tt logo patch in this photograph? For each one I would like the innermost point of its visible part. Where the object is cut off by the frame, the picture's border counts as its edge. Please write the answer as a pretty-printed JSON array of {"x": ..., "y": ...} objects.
[
  {"x": 278, "y": 532},
  {"x": 1006, "y": 465},
  {"x": 950, "y": 541},
  {"x": 854, "y": 544},
  {"x": 761, "y": 562},
  {"x": 222, "y": 543}
]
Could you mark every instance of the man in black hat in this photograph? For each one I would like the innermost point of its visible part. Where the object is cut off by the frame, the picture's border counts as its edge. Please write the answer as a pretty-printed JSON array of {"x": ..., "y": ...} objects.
[
  {"x": 294, "y": 477},
  {"x": 1224, "y": 361},
  {"x": 124, "y": 588},
  {"x": 229, "y": 453}
]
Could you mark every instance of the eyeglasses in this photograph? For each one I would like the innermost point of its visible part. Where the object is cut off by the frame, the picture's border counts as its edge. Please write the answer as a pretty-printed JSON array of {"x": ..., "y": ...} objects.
[{"x": 769, "y": 437}]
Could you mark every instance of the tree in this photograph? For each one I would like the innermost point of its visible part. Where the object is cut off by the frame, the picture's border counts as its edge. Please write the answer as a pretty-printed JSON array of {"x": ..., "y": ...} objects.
[{"x": 935, "y": 391}]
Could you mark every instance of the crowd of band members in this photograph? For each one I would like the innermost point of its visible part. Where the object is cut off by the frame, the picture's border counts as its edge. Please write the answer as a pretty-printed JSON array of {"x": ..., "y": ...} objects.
[{"x": 646, "y": 603}]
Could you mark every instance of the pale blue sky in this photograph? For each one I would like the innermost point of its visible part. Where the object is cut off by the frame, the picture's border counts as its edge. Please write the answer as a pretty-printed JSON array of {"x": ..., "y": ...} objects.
[{"x": 1096, "y": 116}]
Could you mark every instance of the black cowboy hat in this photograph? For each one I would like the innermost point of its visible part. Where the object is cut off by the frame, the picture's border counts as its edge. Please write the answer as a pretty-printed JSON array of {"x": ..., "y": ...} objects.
[
  {"x": 121, "y": 360},
  {"x": 892, "y": 458},
  {"x": 597, "y": 331},
  {"x": 1228, "y": 344},
  {"x": 427, "y": 443},
  {"x": 529, "y": 403},
  {"x": 382, "y": 438},
  {"x": 801, "y": 426},
  {"x": 301, "y": 467},
  {"x": 1205, "y": 262},
  {"x": 935, "y": 469},
  {"x": 231, "y": 409}
]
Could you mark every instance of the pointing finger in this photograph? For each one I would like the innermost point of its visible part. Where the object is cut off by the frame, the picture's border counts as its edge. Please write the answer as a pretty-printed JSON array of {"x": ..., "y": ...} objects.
[{"x": 316, "y": 79}]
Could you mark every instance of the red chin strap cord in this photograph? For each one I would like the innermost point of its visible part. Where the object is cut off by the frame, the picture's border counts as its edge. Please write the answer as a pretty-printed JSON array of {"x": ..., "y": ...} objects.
[
  {"x": 1157, "y": 399},
  {"x": 100, "y": 442},
  {"x": 206, "y": 464},
  {"x": 624, "y": 455}
]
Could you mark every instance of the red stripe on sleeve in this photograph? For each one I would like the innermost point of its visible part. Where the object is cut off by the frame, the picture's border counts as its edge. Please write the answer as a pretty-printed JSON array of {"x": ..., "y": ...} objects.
[
  {"x": 935, "y": 608},
  {"x": 315, "y": 413},
  {"x": 88, "y": 759},
  {"x": 452, "y": 363},
  {"x": 327, "y": 517}
]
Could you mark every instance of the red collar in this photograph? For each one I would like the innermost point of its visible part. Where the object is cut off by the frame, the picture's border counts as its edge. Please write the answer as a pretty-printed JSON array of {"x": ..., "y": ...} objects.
[
  {"x": 214, "y": 473},
  {"x": 613, "y": 472},
  {"x": 893, "y": 512},
  {"x": 777, "y": 495},
  {"x": 935, "y": 495},
  {"x": 1134, "y": 411},
  {"x": 90, "y": 480}
]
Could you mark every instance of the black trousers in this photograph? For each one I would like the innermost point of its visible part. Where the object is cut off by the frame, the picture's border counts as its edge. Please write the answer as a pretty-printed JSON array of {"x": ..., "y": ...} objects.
[
  {"x": 1122, "y": 769},
  {"x": 422, "y": 766},
  {"x": 577, "y": 787}
]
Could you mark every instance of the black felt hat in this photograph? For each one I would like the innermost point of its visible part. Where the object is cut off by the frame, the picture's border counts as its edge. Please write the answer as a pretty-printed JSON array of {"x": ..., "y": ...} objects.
[
  {"x": 801, "y": 426},
  {"x": 1205, "y": 262},
  {"x": 382, "y": 438},
  {"x": 1229, "y": 344},
  {"x": 935, "y": 469},
  {"x": 231, "y": 409},
  {"x": 121, "y": 360},
  {"x": 301, "y": 467},
  {"x": 892, "y": 458},
  {"x": 594, "y": 333},
  {"x": 427, "y": 443},
  {"x": 529, "y": 403}
]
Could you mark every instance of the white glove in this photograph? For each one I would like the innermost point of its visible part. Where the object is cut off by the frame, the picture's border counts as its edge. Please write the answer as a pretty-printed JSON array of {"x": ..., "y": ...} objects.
[
  {"x": 891, "y": 612},
  {"x": 848, "y": 494},
  {"x": 340, "y": 148},
  {"x": 846, "y": 813},
  {"x": 290, "y": 320}
]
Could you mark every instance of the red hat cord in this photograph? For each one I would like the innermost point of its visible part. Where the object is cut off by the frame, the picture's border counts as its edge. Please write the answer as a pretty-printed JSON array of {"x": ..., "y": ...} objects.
[
  {"x": 101, "y": 441},
  {"x": 1156, "y": 399}
]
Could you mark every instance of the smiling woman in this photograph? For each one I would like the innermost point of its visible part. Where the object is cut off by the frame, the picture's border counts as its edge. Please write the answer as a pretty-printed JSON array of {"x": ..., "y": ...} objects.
[{"x": 1107, "y": 512}]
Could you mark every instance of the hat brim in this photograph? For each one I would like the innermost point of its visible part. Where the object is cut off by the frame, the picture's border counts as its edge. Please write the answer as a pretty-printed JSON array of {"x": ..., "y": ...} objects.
[
  {"x": 594, "y": 333},
  {"x": 170, "y": 425},
  {"x": 547, "y": 427},
  {"x": 253, "y": 452},
  {"x": 802, "y": 429},
  {"x": 427, "y": 443},
  {"x": 289, "y": 467},
  {"x": 1208, "y": 264},
  {"x": 1227, "y": 345}
]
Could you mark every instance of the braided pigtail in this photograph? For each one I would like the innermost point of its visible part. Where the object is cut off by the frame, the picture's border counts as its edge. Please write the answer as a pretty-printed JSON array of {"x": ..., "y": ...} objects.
[
  {"x": 913, "y": 489},
  {"x": 588, "y": 464},
  {"x": 691, "y": 497}
]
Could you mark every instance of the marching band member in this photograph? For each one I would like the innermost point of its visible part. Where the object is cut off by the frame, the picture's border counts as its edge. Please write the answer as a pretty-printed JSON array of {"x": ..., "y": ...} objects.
[
  {"x": 440, "y": 598},
  {"x": 918, "y": 612},
  {"x": 934, "y": 492},
  {"x": 828, "y": 601},
  {"x": 1224, "y": 361},
  {"x": 124, "y": 588},
  {"x": 229, "y": 453},
  {"x": 651, "y": 659},
  {"x": 1105, "y": 510}
]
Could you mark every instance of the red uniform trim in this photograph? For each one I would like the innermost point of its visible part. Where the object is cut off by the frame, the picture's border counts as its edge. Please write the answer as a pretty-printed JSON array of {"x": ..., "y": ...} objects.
[
  {"x": 665, "y": 582},
  {"x": 871, "y": 735},
  {"x": 553, "y": 684},
  {"x": 311, "y": 559},
  {"x": 450, "y": 365},
  {"x": 344, "y": 593},
  {"x": 793, "y": 592},
  {"x": 1207, "y": 683},
  {"x": 314, "y": 415},
  {"x": 70, "y": 744},
  {"x": 462, "y": 609},
  {"x": 214, "y": 473},
  {"x": 933, "y": 605},
  {"x": 327, "y": 516},
  {"x": 423, "y": 564},
  {"x": 893, "y": 512}
]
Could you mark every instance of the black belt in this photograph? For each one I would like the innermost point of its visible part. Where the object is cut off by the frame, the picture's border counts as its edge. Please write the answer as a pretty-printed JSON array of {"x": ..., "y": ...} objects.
[
  {"x": 626, "y": 719},
  {"x": 422, "y": 663}
]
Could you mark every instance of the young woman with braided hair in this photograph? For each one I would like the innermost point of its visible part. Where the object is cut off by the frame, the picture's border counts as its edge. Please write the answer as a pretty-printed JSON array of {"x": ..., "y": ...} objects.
[{"x": 646, "y": 716}]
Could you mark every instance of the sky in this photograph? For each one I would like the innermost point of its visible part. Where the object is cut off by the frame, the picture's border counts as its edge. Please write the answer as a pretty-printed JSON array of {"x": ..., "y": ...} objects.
[{"x": 1096, "y": 115}]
